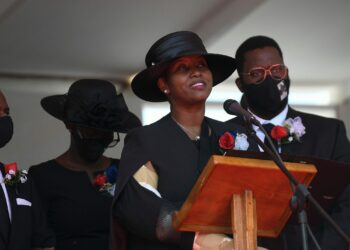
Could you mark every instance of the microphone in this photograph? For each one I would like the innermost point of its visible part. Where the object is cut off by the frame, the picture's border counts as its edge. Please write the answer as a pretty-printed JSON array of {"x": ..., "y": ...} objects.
[{"x": 232, "y": 107}]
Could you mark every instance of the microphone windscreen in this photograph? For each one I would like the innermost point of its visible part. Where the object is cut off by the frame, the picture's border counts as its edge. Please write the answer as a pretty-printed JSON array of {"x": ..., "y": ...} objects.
[{"x": 230, "y": 107}]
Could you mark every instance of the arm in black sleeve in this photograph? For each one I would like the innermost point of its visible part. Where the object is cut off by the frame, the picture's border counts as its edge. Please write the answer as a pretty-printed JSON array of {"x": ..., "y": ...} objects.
[
  {"x": 145, "y": 214},
  {"x": 139, "y": 210},
  {"x": 341, "y": 215},
  {"x": 341, "y": 150},
  {"x": 341, "y": 212}
]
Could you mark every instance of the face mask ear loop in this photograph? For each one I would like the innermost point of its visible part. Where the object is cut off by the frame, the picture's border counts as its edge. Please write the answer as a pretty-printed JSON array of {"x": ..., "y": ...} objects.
[{"x": 79, "y": 134}]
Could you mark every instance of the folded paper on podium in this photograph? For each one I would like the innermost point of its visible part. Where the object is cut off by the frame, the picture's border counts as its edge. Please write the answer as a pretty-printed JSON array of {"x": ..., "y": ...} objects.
[{"x": 208, "y": 206}]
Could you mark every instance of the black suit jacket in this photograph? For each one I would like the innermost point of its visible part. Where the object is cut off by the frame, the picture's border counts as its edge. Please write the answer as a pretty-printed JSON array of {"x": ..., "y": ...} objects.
[
  {"x": 178, "y": 162},
  {"x": 28, "y": 224},
  {"x": 325, "y": 138}
]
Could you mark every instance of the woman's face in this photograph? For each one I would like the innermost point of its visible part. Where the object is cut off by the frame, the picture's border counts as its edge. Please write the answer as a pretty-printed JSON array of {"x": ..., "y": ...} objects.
[
  {"x": 187, "y": 80},
  {"x": 90, "y": 143}
]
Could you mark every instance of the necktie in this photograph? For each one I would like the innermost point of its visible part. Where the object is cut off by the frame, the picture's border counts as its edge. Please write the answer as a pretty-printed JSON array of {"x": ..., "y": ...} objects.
[{"x": 268, "y": 127}]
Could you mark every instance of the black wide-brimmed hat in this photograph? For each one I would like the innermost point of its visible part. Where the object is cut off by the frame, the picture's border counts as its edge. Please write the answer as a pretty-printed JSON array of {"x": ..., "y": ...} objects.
[
  {"x": 92, "y": 103},
  {"x": 169, "y": 48}
]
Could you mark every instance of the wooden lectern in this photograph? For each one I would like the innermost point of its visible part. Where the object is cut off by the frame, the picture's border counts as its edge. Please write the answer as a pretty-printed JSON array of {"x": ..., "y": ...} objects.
[{"x": 246, "y": 197}]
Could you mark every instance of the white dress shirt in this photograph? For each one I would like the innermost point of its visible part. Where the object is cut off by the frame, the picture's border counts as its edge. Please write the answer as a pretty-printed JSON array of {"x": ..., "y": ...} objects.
[
  {"x": 6, "y": 195},
  {"x": 277, "y": 120}
]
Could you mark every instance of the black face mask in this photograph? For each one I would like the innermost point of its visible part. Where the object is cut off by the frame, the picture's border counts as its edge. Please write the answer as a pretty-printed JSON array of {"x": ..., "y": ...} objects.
[
  {"x": 6, "y": 130},
  {"x": 268, "y": 98},
  {"x": 91, "y": 149}
]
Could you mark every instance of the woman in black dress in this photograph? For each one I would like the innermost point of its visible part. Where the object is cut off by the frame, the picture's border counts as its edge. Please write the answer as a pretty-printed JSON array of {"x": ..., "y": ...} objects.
[
  {"x": 175, "y": 148},
  {"x": 77, "y": 187}
]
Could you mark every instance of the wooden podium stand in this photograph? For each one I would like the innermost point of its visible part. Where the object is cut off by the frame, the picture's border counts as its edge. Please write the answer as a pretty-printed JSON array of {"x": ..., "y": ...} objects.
[{"x": 246, "y": 197}]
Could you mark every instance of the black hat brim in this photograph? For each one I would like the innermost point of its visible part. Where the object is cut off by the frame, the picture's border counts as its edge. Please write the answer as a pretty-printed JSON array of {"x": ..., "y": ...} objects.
[
  {"x": 145, "y": 85},
  {"x": 54, "y": 105}
]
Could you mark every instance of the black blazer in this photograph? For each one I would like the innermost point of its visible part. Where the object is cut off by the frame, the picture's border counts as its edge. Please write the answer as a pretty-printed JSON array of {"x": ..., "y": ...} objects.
[
  {"x": 28, "y": 224},
  {"x": 324, "y": 138},
  {"x": 164, "y": 141},
  {"x": 178, "y": 163}
]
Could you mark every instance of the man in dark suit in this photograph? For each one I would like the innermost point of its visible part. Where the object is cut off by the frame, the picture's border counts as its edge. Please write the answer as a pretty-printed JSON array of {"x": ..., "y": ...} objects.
[
  {"x": 264, "y": 81},
  {"x": 22, "y": 222}
]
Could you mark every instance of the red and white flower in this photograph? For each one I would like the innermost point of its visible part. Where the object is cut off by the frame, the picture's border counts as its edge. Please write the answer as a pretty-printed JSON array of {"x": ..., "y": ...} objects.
[
  {"x": 13, "y": 175},
  {"x": 105, "y": 182},
  {"x": 233, "y": 141},
  {"x": 292, "y": 130}
]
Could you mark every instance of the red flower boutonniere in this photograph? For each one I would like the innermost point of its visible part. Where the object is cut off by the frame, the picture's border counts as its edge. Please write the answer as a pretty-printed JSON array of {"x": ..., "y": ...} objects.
[
  {"x": 279, "y": 132},
  {"x": 292, "y": 130},
  {"x": 13, "y": 175},
  {"x": 100, "y": 180},
  {"x": 227, "y": 141},
  {"x": 105, "y": 182},
  {"x": 231, "y": 140}
]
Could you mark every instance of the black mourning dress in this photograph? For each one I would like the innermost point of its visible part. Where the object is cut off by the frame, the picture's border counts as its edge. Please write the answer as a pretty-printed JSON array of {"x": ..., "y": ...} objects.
[{"x": 77, "y": 211}]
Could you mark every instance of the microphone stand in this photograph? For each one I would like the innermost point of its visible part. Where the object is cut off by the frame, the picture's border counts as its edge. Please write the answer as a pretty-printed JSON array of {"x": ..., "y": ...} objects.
[{"x": 301, "y": 193}]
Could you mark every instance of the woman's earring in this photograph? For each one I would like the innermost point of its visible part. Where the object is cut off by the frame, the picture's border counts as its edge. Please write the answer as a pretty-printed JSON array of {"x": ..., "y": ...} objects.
[{"x": 165, "y": 91}]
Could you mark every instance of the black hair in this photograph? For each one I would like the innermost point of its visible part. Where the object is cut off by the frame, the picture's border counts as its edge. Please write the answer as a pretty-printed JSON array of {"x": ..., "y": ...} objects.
[{"x": 252, "y": 43}]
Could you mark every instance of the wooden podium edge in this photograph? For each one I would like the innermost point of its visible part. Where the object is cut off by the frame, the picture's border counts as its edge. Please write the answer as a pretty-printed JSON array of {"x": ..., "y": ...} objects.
[{"x": 181, "y": 215}]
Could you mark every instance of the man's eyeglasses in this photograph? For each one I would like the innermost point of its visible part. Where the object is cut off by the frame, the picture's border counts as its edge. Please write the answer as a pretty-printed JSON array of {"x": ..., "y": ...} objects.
[{"x": 258, "y": 74}]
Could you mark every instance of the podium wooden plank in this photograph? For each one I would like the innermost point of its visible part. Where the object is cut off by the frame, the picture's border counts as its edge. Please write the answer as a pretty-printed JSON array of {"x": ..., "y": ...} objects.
[
  {"x": 243, "y": 222},
  {"x": 208, "y": 206}
]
